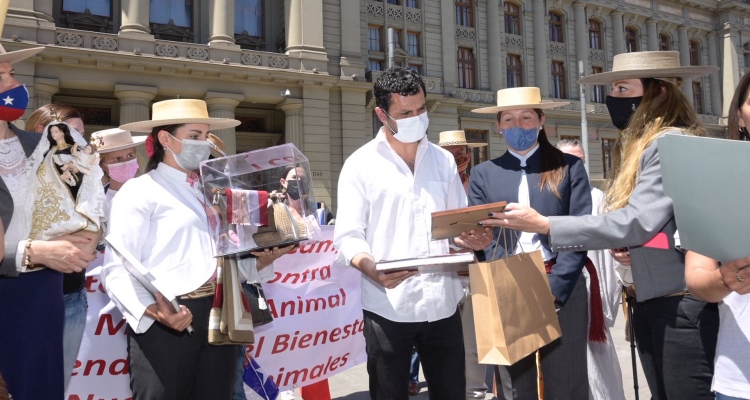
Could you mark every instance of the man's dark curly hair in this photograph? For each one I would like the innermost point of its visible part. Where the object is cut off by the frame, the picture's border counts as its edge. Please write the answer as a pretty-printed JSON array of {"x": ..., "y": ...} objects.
[{"x": 396, "y": 80}]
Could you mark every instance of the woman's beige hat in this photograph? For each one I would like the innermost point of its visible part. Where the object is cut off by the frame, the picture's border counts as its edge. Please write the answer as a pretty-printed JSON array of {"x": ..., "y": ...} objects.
[
  {"x": 180, "y": 111},
  {"x": 114, "y": 139},
  {"x": 648, "y": 64},
  {"x": 14, "y": 56},
  {"x": 456, "y": 138},
  {"x": 518, "y": 99}
]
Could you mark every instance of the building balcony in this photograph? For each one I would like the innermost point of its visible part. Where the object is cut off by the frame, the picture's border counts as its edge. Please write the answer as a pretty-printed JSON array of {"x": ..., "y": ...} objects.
[
  {"x": 475, "y": 96},
  {"x": 168, "y": 49}
]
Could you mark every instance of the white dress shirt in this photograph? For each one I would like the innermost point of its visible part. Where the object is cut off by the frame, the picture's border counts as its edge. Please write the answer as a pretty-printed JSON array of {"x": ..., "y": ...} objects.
[
  {"x": 384, "y": 211},
  {"x": 528, "y": 242},
  {"x": 157, "y": 218}
]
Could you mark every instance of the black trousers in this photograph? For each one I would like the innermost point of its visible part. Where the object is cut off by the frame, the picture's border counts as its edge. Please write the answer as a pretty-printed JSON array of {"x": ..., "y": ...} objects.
[
  {"x": 676, "y": 339},
  {"x": 441, "y": 350},
  {"x": 564, "y": 366},
  {"x": 167, "y": 365}
]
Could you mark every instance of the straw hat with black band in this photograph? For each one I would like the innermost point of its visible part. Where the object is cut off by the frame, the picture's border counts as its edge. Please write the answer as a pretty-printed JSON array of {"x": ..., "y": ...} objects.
[
  {"x": 456, "y": 138},
  {"x": 180, "y": 111},
  {"x": 519, "y": 98},
  {"x": 648, "y": 64}
]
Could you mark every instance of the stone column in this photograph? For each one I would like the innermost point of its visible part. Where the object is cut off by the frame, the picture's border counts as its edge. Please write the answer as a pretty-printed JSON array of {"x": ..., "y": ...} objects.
[
  {"x": 135, "y": 17},
  {"x": 652, "y": 35},
  {"x": 351, "y": 53},
  {"x": 582, "y": 37},
  {"x": 44, "y": 89},
  {"x": 682, "y": 35},
  {"x": 618, "y": 32},
  {"x": 293, "y": 122},
  {"x": 450, "y": 67},
  {"x": 731, "y": 69},
  {"x": 494, "y": 42},
  {"x": 540, "y": 47},
  {"x": 713, "y": 60},
  {"x": 222, "y": 105},
  {"x": 135, "y": 102},
  {"x": 221, "y": 22},
  {"x": 304, "y": 42}
]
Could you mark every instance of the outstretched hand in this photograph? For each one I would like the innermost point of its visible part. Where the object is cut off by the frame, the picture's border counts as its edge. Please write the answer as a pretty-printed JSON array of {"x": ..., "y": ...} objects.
[{"x": 519, "y": 217}]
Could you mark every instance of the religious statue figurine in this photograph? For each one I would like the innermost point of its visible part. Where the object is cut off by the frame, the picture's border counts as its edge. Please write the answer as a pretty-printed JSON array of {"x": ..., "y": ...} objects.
[{"x": 68, "y": 193}]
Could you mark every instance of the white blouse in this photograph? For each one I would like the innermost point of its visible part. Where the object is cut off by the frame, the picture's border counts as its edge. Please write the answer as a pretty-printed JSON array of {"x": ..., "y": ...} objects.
[
  {"x": 158, "y": 219},
  {"x": 18, "y": 173}
]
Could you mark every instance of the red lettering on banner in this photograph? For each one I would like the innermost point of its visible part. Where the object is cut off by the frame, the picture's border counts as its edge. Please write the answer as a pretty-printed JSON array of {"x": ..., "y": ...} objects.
[
  {"x": 98, "y": 367},
  {"x": 286, "y": 342},
  {"x": 122, "y": 364},
  {"x": 90, "y": 281},
  {"x": 300, "y": 306},
  {"x": 307, "y": 276},
  {"x": 335, "y": 335},
  {"x": 91, "y": 363},
  {"x": 112, "y": 329},
  {"x": 324, "y": 246},
  {"x": 257, "y": 347},
  {"x": 298, "y": 377}
]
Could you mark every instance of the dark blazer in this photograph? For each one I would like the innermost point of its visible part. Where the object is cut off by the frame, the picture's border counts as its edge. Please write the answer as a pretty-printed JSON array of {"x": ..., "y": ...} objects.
[
  {"x": 498, "y": 180},
  {"x": 657, "y": 270},
  {"x": 29, "y": 141}
]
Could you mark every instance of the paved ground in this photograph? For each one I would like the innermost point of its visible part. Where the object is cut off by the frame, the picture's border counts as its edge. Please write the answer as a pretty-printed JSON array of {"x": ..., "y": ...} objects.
[{"x": 352, "y": 384}]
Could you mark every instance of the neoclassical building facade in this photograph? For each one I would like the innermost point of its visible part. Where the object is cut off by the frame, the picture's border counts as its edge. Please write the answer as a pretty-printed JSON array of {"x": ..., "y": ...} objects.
[{"x": 301, "y": 71}]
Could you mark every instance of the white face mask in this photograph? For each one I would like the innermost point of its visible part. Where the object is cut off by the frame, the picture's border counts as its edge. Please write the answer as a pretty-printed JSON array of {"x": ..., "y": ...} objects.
[
  {"x": 410, "y": 130},
  {"x": 193, "y": 152}
]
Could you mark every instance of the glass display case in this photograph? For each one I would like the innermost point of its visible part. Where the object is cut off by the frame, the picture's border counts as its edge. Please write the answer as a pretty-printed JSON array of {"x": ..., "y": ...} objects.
[{"x": 260, "y": 199}]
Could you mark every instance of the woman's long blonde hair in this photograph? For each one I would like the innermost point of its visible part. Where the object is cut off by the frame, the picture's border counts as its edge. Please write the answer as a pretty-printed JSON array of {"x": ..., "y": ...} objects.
[{"x": 663, "y": 108}]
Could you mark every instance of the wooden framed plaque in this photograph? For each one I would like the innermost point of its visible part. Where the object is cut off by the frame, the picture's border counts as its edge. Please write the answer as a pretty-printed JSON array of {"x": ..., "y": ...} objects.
[{"x": 450, "y": 223}]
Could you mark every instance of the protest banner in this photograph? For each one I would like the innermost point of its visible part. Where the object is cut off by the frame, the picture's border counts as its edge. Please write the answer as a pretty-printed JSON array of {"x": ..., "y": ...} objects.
[{"x": 316, "y": 332}]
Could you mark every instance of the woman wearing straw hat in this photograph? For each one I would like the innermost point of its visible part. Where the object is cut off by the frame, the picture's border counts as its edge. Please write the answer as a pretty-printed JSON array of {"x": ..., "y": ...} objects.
[
  {"x": 32, "y": 311},
  {"x": 159, "y": 221},
  {"x": 534, "y": 172},
  {"x": 119, "y": 161},
  {"x": 676, "y": 332}
]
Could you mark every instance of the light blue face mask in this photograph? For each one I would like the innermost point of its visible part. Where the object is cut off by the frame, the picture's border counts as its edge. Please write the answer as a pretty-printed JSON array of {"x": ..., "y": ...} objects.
[{"x": 520, "y": 139}]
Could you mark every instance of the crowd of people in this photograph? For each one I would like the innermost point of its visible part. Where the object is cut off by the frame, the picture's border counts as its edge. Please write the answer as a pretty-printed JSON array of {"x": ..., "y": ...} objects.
[{"x": 67, "y": 204}]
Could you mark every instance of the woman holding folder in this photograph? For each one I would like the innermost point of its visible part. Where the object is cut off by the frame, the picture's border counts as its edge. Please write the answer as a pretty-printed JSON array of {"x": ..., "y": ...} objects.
[
  {"x": 729, "y": 285},
  {"x": 676, "y": 332},
  {"x": 534, "y": 172},
  {"x": 158, "y": 220}
]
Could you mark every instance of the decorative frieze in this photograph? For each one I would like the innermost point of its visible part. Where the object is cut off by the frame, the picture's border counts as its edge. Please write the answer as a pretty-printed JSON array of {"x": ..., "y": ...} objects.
[
  {"x": 474, "y": 96},
  {"x": 104, "y": 43},
  {"x": 278, "y": 62},
  {"x": 513, "y": 40},
  {"x": 375, "y": 9},
  {"x": 250, "y": 59},
  {"x": 558, "y": 48},
  {"x": 197, "y": 53},
  {"x": 69, "y": 39},
  {"x": 463, "y": 32},
  {"x": 166, "y": 50}
]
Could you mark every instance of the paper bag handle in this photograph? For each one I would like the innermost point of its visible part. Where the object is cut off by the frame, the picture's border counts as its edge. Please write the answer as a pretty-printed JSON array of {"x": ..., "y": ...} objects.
[{"x": 505, "y": 242}]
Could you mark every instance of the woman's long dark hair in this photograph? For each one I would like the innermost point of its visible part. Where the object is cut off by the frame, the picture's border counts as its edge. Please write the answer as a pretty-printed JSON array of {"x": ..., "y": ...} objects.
[
  {"x": 66, "y": 133},
  {"x": 740, "y": 97},
  {"x": 158, "y": 155},
  {"x": 553, "y": 160}
]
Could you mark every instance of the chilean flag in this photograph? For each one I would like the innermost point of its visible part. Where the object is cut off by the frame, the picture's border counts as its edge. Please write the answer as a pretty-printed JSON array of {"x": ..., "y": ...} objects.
[{"x": 13, "y": 103}]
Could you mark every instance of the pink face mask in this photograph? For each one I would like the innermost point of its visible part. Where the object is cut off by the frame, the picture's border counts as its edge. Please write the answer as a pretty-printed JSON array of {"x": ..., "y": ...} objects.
[{"x": 122, "y": 172}]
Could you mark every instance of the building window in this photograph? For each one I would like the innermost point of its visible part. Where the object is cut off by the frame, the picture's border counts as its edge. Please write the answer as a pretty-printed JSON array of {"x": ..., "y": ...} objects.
[
  {"x": 180, "y": 12},
  {"x": 631, "y": 40},
  {"x": 607, "y": 146},
  {"x": 102, "y": 8},
  {"x": 375, "y": 65},
  {"x": 416, "y": 68},
  {"x": 394, "y": 2},
  {"x": 664, "y": 42},
  {"x": 412, "y": 4},
  {"x": 248, "y": 17},
  {"x": 595, "y": 34},
  {"x": 466, "y": 68},
  {"x": 597, "y": 91},
  {"x": 374, "y": 38},
  {"x": 556, "y": 27},
  {"x": 464, "y": 14},
  {"x": 412, "y": 44},
  {"x": 95, "y": 116},
  {"x": 512, "y": 18},
  {"x": 698, "y": 97},
  {"x": 477, "y": 154},
  {"x": 515, "y": 71},
  {"x": 251, "y": 124},
  {"x": 397, "y": 37},
  {"x": 695, "y": 54},
  {"x": 558, "y": 80}
]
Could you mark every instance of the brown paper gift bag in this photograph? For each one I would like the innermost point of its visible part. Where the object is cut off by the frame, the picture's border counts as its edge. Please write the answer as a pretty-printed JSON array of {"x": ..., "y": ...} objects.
[{"x": 514, "y": 311}]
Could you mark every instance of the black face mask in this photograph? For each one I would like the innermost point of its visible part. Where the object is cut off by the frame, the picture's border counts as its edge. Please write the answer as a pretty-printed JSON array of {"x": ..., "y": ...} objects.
[
  {"x": 292, "y": 189},
  {"x": 621, "y": 109}
]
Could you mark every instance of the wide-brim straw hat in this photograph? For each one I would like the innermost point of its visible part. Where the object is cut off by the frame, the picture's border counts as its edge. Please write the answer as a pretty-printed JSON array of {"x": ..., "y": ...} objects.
[
  {"x": 648, "y": 64},
  {"x": 519, "y": 98},
  {"x": 180, "y": 111},
  {"x": 456, "y": 138},
  {"x": 18, "y": 55},
  {"x": 115, "y": 139},
  {"x": 218, "y": 148}
]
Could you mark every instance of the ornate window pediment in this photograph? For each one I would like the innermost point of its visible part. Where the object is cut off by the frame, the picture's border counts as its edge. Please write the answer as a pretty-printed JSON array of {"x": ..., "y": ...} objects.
[{"x": 170, "y": 31}]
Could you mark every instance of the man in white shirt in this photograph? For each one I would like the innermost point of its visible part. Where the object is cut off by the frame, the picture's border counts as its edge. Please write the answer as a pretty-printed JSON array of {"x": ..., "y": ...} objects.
[{"x": 387, "y": 190}]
